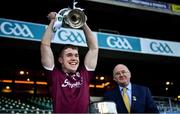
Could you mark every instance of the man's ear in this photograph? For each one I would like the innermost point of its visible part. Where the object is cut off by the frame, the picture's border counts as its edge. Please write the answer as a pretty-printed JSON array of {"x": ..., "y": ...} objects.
[
  {"x": 114, "y": 78},
  {"x": 60, "y": 59},
  {"x": 130, "y": 75}
]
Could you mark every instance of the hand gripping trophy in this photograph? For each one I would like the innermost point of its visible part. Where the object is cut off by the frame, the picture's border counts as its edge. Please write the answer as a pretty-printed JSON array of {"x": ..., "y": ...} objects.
[{"x": 74, "y": 18}]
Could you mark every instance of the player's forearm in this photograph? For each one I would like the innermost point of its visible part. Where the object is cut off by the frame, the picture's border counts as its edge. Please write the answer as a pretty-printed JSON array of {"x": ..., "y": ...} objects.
[
  {"x": 47, "y": 37},
  {"x": 91, "y": 39}
]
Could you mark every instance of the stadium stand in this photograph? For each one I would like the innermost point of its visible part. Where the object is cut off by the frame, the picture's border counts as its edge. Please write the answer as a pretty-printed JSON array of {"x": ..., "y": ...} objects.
[
  {"x": 43, "y": 104},
  {"x": 167, "y": 104},
  {"x": 17, "y": 106}
]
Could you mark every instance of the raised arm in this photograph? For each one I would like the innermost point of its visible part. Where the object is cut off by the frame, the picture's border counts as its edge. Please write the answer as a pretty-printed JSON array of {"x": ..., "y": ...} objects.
[
  {"x": 47, "y": 57},
  {"x": 91, "y": 57}
]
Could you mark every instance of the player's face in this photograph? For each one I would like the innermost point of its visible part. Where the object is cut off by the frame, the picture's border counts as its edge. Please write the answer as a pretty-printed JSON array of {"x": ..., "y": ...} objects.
[{"x": 69, "y": 60}]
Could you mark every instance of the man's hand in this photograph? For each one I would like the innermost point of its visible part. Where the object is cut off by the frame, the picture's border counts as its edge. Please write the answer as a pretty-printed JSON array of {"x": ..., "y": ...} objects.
[
  {"x": 51, "y": 15},
  {"x": 58, "y": 20}
]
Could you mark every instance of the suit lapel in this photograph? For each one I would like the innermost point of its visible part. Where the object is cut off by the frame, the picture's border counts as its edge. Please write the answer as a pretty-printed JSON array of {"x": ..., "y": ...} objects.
[
  {"x": 134, "y": 98},
  {"x": 118, "y": 95},
  {"x": 120, "y": 103}
]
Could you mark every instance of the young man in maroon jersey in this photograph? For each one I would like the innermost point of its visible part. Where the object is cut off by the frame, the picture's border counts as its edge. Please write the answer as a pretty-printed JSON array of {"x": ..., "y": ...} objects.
[{"x": 69, "y": 84}]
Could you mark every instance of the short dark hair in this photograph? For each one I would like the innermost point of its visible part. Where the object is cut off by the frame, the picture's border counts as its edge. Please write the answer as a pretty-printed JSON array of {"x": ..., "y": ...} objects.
[{"x": 64, "y": 47}]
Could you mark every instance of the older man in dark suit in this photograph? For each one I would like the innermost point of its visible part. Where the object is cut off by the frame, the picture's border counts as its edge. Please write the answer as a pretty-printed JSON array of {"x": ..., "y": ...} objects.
[{"x": 129, "y": 98}]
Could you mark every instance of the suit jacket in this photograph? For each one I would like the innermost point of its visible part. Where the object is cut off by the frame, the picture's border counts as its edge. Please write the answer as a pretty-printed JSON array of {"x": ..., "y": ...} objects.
[{"x": 142, "y": 101}]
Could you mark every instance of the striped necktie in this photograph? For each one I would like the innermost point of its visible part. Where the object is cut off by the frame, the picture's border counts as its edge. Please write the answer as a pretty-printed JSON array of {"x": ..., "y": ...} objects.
[{"x": 126, "y": 99}]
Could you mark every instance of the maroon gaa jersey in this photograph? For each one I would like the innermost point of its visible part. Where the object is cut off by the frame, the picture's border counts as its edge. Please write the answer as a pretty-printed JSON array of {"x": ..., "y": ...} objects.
[{"x": 69, "y": 92}]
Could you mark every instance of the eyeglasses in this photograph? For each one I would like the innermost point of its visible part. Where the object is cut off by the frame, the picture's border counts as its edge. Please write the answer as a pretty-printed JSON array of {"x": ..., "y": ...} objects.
[{"x": 121, "y": 73}]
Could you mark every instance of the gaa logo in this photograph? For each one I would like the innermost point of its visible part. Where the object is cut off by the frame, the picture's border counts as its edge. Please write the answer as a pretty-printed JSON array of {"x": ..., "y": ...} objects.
[
  {"x": 117, "y": 42},
  {"x": 16, "y": 29},
  {"x": 71, "y": 36},
  {"x": 160, "y": 47}
]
